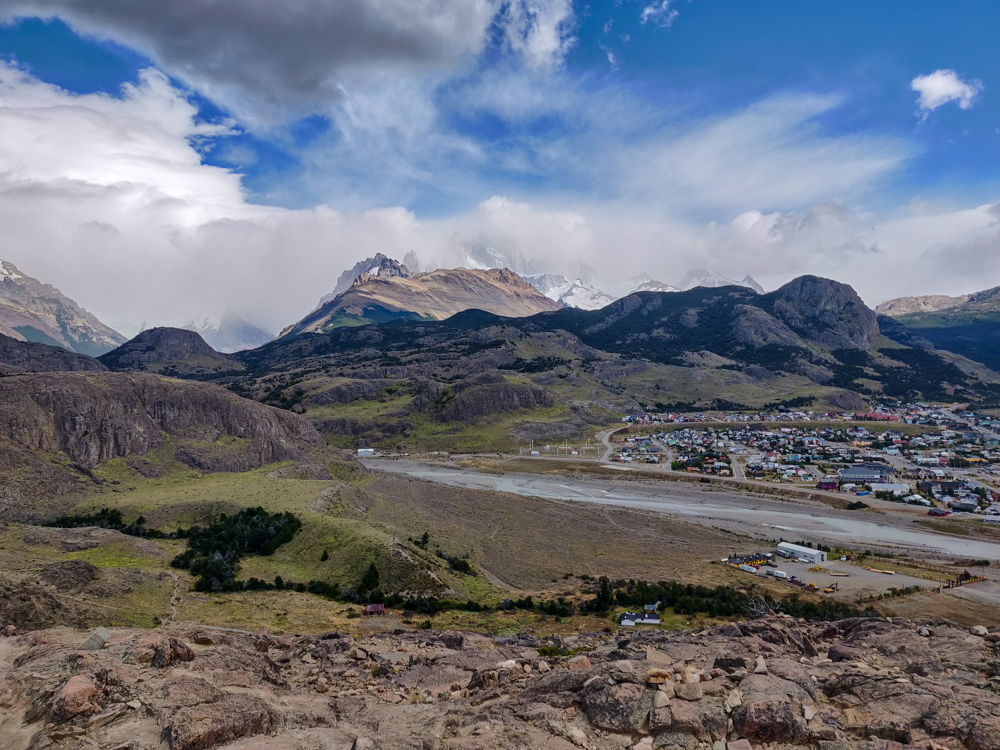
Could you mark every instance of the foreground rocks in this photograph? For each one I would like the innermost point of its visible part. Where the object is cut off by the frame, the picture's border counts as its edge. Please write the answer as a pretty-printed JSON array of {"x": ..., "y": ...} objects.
[{"x": 861, "y": 684}]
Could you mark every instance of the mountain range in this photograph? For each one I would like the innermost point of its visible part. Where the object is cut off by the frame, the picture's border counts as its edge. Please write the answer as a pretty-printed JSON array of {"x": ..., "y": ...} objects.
[
  {"x": 434, "y": 359},
  {"x": 37, "y": 312},
  {"x": 967, "y": 325}
]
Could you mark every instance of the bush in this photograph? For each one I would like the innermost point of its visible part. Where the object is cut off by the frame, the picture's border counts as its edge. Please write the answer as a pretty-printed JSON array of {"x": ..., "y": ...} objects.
[{"x": 324, "y": 557}]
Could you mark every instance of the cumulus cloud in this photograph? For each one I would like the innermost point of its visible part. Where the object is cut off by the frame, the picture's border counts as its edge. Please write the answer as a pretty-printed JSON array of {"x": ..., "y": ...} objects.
[
  {"x": 107, "y": 199},
  {"x": 941, "y": 87},
  {"x": 266, "y": 60},
  {"x": 659, "y": 13}
]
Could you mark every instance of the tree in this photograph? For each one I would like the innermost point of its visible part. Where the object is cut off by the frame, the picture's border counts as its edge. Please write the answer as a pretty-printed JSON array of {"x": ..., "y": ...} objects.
[
  {"x": 369, "y": 581},
  {"x": 604, "y": 598},
  {"x": 279, "y": 583},
  {"x": 325, "y": 556},
  {"x": 424, "y": 540}
]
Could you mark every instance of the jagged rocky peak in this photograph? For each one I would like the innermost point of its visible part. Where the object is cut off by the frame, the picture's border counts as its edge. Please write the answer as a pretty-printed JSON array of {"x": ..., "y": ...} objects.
[
  {"x": 706, "y": 278},
  {"x": 175, "y": 351},
  {"x": 40, "y": 313},
  {"x": 826, "y": 311},
  {"x": 484, "y": 256},
  {"x": 233, "y": 332},
  {"x": 646, "y": 283},
  {"x": 412, "y": 262},
  {"x": 378, "y": 265},
  {"x": 426, "y": 296}
]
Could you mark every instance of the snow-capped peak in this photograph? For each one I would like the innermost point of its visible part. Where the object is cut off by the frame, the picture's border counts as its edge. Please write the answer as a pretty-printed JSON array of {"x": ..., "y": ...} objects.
[
  {"x": 705, "y": 278},
  {"x": 570, "y": 293},
  {"x": 9, "y": 271}
]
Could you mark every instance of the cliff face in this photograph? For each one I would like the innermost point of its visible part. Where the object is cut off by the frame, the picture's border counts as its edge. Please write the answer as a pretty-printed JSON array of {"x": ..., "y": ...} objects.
[
  {"x": 22, "y": 356},
  {"x": 33, "y": 311},
  {"x": 827, "y": 312},
  {"x": 94, "y": 417}
]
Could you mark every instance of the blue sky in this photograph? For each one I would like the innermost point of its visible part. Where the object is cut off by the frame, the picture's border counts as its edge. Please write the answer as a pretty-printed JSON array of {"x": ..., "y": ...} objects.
[
  {"x": 712, "y": 58},
  {"x": 774, "y": 137}
]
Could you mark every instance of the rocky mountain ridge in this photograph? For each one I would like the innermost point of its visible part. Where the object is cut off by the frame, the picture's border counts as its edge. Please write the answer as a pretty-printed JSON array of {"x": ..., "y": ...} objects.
[
  {"x": 40, "y": 313},
  {"x": 18, "y": 357},
  {"x": 427, "y": 296},
  {"x": 860, "y": 684}
]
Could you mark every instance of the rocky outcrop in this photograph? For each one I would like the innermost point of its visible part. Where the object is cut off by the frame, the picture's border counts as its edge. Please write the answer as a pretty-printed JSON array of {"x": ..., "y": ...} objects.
[
  {"x": 490, "y": 399},
  {"x": 93, "y": 417},
  {"x": 769, "y": 682},
  {"x": 378, "y": 265},
  {"x": 171, "y": 351},
  {"x": 18, "y": 357},
  {"x": 825, "y": 311},
  {"x": 33, "y": 311}
]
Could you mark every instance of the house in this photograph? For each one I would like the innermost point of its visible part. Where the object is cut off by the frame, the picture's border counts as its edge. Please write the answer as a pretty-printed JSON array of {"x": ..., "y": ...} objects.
[
  {"x": 867, "y": 473},
  {"x": 631, "y": 619},
  {"x": 965, "y": 506},
  {"x": 366, "y": 452},
  {"x": 375, "y": 609},
  {"x": 895, "y": 489},
  {"x": 796, "y": 552}
]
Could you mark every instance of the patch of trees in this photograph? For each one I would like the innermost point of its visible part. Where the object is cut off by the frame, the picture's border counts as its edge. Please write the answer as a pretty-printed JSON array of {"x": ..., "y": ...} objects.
[
  {"x": 106, "y": 518},
  {"x": 718, "y": 601},
  {"x": 456, "y": 563},
  {"x": 538, "y": 364},
  {"x": 214, "y": 552}
]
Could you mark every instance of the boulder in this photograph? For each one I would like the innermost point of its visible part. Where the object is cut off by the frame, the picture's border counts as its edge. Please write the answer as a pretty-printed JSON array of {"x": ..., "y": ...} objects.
[
  {"x": 206, "y": 725},
  {"x": 96, "y": 640},
  {"x": 621, "y": 707},
  {"x": 689, "y": 691},
  {"x": 578, "y": 662},
  {"x": 984, "y": 734},
  {"x": 767, "y": 719},
  {"x": 80, "y": 695},
  {"x": 979, "y": 630}
]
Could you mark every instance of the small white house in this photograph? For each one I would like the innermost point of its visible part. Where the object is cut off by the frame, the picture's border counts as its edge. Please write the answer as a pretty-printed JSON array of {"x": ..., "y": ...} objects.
[
  {"x": 631, "y": 619},
  {"x": 366, "y": 452}
]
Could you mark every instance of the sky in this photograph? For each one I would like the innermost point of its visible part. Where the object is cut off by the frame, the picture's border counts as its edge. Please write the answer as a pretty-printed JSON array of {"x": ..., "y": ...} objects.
[{"x": 161, "y": 163}]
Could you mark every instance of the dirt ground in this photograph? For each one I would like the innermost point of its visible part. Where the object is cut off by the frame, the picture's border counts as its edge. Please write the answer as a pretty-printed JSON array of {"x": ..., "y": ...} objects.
[{"x": 528, "y": 544}]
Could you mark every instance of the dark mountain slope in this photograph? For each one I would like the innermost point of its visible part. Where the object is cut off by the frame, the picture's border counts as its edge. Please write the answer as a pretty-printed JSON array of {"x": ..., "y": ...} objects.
[
  {"x": 23, "y": 356},
  {"x": 968, "y": 325},
  {"x": 169, "y": 351},
  {"x": 813, "y": 327}
]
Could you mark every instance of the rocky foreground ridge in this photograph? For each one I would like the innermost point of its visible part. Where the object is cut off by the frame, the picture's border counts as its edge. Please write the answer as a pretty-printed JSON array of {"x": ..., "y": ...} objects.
[{"x": 765, "y": 684}]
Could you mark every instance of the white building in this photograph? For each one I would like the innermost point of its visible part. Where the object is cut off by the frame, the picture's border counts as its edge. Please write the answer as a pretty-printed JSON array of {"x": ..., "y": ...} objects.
[
  {"x": 366, "y": 452},
  {"x": 795, "y": 552}
]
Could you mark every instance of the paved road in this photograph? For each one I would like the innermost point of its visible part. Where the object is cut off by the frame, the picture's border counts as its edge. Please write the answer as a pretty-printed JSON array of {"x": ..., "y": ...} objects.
[{"x": 758, "y": 516}]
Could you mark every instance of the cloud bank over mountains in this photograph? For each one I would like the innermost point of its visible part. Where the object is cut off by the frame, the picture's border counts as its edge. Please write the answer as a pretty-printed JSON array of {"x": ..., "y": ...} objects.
[{"x": 111, "y": 199}]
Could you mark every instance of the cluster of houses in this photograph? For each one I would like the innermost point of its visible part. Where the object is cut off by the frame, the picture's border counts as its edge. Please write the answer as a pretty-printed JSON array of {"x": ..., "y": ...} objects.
[{"x": 635, "y": 449}]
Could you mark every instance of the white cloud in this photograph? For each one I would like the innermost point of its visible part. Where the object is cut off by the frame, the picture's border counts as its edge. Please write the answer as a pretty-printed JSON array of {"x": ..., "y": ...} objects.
[
  {"x": 659, "y": 13},
  {"x": 941, "y": 87},
  {"x": 540, "y": 31},
  {"x": 269, "y": 61},
  {"x": 107, "y": 198}
]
